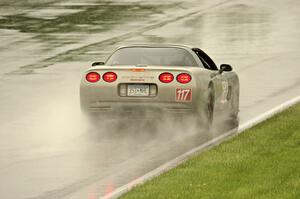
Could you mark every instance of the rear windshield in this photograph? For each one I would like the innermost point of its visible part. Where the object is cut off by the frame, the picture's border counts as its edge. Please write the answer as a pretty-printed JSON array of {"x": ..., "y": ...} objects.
[{"x": 152, "y": 56}]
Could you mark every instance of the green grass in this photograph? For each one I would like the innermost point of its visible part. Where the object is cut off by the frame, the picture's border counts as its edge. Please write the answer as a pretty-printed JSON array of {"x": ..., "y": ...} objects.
[{"x": 263, "y": 162}]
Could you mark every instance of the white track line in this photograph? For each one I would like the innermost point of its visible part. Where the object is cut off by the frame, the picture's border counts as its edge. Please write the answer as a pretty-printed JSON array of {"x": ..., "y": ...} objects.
[{"x": 178, "y": 160}]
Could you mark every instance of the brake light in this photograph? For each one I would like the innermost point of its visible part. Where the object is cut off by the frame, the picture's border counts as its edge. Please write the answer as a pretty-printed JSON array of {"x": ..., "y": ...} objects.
[
  {"x": 166, "y": 77},
  {"x": 92, "y": 77},
  {"x": 184, "y": 78},
  {"x": 110, "y": 77}
]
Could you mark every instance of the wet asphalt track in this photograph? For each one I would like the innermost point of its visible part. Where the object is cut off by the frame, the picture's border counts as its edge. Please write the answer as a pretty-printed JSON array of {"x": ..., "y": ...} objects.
[{"x": 47, "y": 148}]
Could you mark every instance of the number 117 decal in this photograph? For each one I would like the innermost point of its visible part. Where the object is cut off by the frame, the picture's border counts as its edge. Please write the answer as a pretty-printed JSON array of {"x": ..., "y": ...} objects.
[{"x": 183, "y": 94}]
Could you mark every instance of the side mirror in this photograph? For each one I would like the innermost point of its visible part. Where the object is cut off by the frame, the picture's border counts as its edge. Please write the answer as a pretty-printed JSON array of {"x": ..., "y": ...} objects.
[
  {"x": 97, "y": 63},
  {"x": 225, "y": 67}
]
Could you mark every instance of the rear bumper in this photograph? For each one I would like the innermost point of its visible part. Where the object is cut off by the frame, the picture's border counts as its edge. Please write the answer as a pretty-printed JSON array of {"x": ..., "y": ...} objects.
[{"x": 138, "y": 109}]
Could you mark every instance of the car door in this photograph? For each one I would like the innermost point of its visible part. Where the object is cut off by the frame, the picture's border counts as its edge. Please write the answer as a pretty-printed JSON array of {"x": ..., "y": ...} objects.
[
  {"x": 222, "y": 83},
  {"x": 222, "y": 90}
]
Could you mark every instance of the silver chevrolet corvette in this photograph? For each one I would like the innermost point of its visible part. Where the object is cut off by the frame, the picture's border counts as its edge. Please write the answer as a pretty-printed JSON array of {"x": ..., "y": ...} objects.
[{"x": 160, "y": 80}]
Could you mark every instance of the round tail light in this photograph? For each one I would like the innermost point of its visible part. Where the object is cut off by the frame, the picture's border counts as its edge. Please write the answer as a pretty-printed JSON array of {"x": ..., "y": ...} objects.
[
  {"x": 184, "y": 78},
  {"x": 92, "y": 77},
  {"x": 110, "y": 77},
  {"x": 166, "y": 77}
]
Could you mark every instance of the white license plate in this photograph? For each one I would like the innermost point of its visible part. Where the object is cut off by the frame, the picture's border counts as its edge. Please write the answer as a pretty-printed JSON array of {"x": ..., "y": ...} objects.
[{"x": 137, "y": 90}]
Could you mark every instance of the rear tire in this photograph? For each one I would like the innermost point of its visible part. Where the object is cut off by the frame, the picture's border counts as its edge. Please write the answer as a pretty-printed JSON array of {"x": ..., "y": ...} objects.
[
  {"x": 210, "y": 107},
  {"x": 205, "y": 115}
]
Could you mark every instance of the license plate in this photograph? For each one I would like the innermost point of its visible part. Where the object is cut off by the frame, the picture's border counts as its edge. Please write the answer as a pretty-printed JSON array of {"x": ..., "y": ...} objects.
[{"x": 137, "y": 90}]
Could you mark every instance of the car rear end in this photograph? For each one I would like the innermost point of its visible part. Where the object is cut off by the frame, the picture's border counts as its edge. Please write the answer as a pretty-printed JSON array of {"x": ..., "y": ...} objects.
[{"x": 138, "y": 91}]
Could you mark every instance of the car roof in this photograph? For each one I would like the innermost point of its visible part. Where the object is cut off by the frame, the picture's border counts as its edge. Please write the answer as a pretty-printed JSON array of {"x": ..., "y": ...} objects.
[{"x": 156, "y": 46}]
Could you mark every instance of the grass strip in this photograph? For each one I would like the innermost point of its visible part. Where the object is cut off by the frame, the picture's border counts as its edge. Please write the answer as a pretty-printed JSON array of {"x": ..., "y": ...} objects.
[{"x": 263, "y": 162}]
